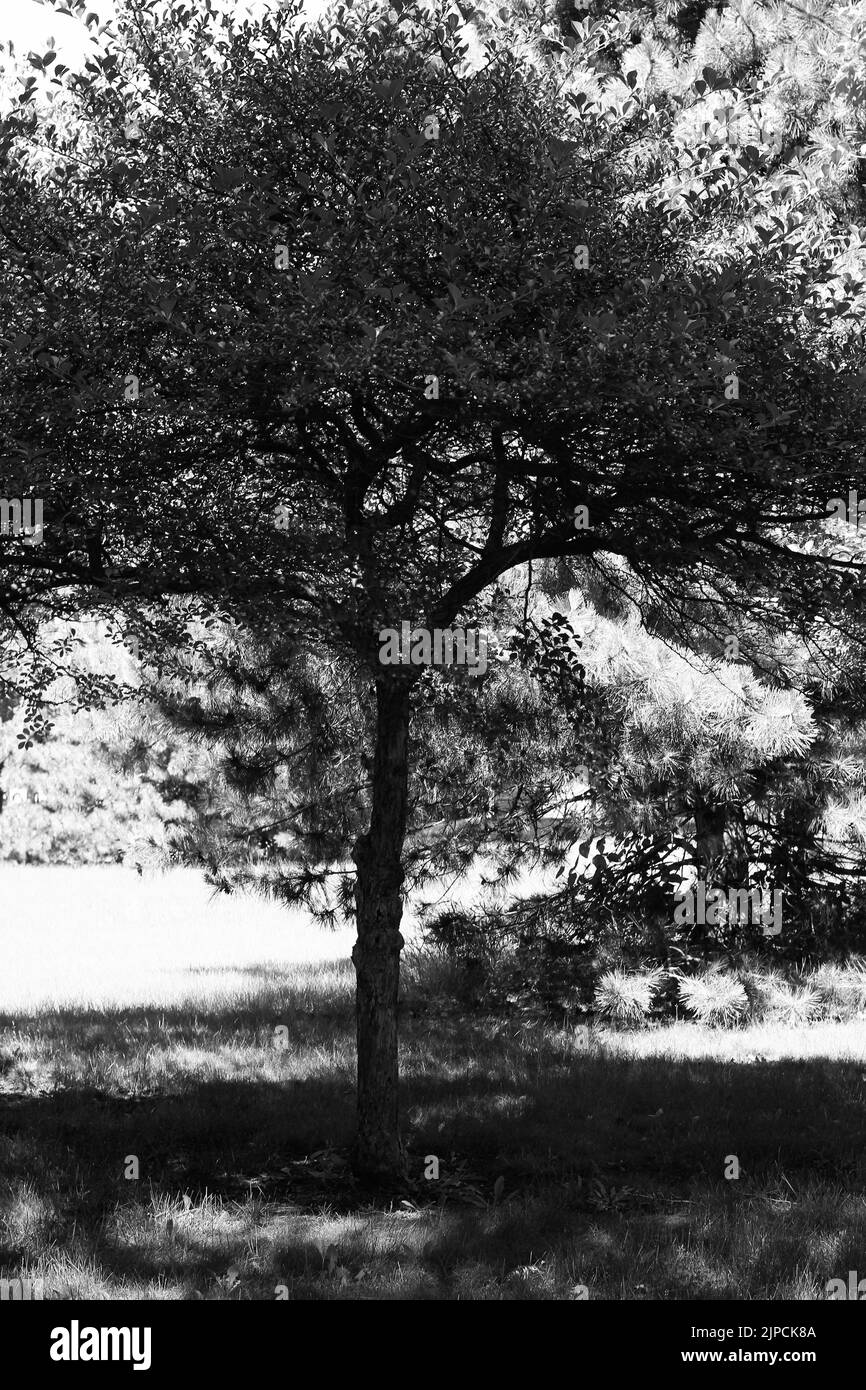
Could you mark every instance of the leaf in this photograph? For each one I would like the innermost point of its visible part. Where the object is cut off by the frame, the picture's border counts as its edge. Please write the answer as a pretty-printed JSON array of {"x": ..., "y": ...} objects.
[
  {"x": 226, "y": 178},
  {"x": 498, "y": 1188},
  {"x": 562, "y": 149}
]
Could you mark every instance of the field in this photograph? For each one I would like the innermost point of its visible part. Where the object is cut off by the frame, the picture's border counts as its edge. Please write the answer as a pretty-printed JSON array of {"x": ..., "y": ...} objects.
[{"x": 212, "y": 1041}]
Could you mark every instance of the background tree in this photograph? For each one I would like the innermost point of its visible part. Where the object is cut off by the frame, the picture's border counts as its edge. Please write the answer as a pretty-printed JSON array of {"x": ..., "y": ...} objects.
[{"x": 101, "y": 780}]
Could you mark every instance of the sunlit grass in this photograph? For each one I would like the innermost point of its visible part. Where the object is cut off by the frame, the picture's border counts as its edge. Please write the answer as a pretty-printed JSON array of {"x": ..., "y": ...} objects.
[{"x": 90, "y": 936}]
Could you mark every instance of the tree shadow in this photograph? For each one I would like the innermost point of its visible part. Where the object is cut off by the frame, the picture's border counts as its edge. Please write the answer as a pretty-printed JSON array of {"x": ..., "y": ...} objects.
[{"x": 583, "y": 1133}]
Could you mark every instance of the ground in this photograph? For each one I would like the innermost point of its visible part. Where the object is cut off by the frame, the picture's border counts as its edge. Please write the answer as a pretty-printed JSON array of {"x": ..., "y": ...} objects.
[{"x": 140, "y": 1019}]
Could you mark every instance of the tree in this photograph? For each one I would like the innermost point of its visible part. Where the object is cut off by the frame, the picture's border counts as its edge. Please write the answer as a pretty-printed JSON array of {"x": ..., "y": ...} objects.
[
  {"x": 740, "y": 764},
  {"x": 324, "y": 329}
]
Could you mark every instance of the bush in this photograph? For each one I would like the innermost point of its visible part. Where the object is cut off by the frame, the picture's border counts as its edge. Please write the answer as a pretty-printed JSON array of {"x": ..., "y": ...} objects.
[
  {"x": 841, "y": 988},
  {"x": 792, "y": 1005},
  {"x": 626, "y": 999},
  {"x": 498, "y": 963},
  {"x": 536, "y": 957},
  {"x": 775, "y": 999},
  {"x": 714, "y": 997}
]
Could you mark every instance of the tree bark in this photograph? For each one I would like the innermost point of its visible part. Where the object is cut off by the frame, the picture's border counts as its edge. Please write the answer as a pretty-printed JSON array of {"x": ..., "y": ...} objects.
[
  {"x": 737, "y": 847},
  {"x": 709, "y": 848},
  {"x": 378, "y": 854},
  {"x": 710, "y": 820}
]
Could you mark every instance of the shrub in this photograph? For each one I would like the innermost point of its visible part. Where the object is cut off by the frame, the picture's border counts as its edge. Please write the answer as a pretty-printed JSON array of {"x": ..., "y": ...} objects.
[
  {"x": 775, "y": 999},
  {"x": 841, "y": 988},
  {"x": 429, "y": 975},
  {"x": 467, "y": 936},
  {"x": 760, "y": 985},
  {"x": 626, "y": 999},
  {"x": 714, "y": 997},
  {"x": 790, "y": 1004}
]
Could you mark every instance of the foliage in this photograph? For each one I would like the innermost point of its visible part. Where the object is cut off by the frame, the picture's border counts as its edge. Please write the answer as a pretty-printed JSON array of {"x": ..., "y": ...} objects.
[
  {"x": 101, "y": 786},
  {"x": 698, "y": 767},
  {"x": 626, "y": 999},
  {"x": 842, "y": 989},
  {"x": 714, "y": 997},
  {"x": 256, "y": 384},
  {"x": 775, "y": 1000}
]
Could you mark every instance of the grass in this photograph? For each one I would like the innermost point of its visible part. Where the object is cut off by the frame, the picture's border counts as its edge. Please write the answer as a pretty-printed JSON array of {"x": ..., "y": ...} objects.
[{"x": 138, "y": 1018}]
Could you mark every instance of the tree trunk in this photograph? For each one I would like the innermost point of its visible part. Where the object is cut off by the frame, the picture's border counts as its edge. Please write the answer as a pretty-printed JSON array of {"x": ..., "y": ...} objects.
[
  {"x": 710, "y": 820},
  {"x": 737, "y": 848},
  {"x": 376, "y": 956},
  {"x": 709, "y": 848}
]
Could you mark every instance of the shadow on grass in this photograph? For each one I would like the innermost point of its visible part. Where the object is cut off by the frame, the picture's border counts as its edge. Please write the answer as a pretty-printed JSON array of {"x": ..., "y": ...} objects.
[{"x": 603, "y": 1156}]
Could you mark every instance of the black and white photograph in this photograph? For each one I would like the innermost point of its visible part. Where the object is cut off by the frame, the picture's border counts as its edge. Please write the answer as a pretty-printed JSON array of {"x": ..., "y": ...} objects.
[{"x": 432, "y": 657}]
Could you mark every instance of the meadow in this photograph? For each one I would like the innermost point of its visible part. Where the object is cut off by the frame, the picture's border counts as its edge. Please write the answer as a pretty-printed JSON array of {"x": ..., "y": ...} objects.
[{"x": 212, "y": 1040}]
